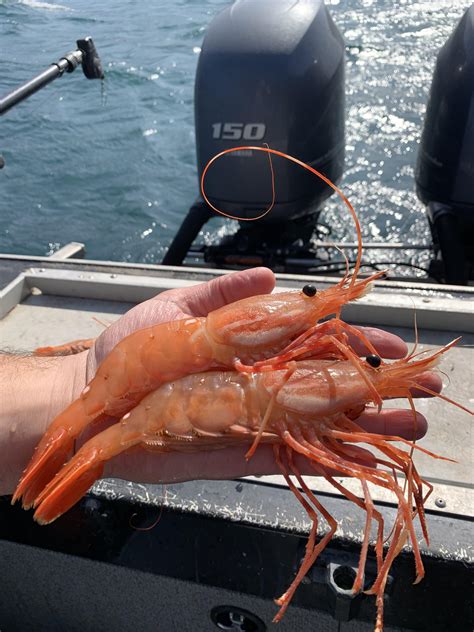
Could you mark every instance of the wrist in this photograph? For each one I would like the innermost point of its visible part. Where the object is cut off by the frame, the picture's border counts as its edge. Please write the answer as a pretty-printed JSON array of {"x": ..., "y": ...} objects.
[{"x": 32, "y": 392}]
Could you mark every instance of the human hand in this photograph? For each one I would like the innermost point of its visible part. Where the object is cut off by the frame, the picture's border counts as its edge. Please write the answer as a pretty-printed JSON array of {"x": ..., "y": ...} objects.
[{"x": 230, "y": 462}]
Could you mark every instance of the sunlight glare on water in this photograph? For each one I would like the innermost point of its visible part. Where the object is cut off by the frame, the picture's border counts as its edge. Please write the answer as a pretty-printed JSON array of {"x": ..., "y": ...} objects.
[{"x": 114, "y": 167}]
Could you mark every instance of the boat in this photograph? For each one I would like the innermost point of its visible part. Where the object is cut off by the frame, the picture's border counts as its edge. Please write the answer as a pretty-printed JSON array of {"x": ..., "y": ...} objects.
[{"x": 223, "y": 550}]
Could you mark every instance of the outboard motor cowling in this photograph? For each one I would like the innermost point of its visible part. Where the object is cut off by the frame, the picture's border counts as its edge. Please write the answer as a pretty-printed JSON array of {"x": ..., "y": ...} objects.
[
  {"x": 269, "y": 72},
  {"x": 445, "y": 166}
]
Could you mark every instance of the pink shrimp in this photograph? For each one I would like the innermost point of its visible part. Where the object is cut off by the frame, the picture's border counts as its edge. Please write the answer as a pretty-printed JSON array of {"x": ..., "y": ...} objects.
[
  {"x": 250, "y": 330},
  {"x": 306, "y": 408},
  {"x": 68, "y": 348}
]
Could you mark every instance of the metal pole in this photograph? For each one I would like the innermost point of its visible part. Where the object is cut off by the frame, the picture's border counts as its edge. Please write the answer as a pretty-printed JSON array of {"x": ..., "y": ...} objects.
[{"x": 35, "y": 84}]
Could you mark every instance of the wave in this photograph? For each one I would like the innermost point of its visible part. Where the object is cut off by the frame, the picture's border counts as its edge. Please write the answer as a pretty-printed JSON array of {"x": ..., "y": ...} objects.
[{"x": 37, "y": 4}]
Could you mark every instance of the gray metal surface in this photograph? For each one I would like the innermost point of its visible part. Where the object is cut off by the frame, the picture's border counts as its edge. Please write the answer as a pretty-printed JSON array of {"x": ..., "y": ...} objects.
[{"x": 41, "y": 320}]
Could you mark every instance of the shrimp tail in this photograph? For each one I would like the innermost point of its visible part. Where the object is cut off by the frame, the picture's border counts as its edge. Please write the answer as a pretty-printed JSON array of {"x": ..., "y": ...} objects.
[
  {"x": 52, "y": 452},
  {"x": 75, "y": 480},
  {"x": 50, "y": 455},
  {"x": 85, "y": 467}
]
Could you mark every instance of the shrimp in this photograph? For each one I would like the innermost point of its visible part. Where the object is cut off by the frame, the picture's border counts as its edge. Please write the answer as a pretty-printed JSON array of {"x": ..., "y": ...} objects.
[
  {"x": 309, "y": 407},
  {"x": 247, "y": 331},
  {"x": 68, "y": 348}
]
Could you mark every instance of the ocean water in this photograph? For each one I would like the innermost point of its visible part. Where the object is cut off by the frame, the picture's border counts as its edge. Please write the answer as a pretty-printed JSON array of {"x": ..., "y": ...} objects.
[{"x": 113, "y": 165}]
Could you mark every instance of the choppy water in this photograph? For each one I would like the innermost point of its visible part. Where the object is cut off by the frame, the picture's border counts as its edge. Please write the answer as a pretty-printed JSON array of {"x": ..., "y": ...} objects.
[{"x": 117, "y": 171}]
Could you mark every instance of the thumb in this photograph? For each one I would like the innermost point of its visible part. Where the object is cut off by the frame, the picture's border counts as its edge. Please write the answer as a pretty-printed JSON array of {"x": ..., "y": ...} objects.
[{"x": 204, "y": 298}]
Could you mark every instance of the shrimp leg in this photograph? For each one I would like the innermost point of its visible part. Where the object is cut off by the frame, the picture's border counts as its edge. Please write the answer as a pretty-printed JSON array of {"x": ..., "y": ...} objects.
[
  {"x": 404, "y": 525},
  {"x": 314, "y": 527},
  {"x": 318, "y": 341},
  {"x": 311, "y": 335},
  {"x": 404, "y": 505},
  {"x": 400, "y": 457},
  {"x": 368, "y": 506},
  {"x": 311, "y": 553}
]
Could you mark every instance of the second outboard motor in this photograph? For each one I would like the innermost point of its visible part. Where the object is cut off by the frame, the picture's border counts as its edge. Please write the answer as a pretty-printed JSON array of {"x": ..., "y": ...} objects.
[
  {"x": 270, "y": 72},
  {"x": 445, "y": 167}
]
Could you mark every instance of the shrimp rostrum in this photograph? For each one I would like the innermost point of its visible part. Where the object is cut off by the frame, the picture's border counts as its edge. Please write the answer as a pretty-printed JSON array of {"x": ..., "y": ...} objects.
[{"x": 309, "y": 408}]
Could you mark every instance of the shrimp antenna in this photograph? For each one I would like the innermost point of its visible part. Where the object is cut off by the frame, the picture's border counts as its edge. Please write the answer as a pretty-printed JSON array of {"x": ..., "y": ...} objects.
[
  {"x": 344, "y": 278},
  {"x": 157, "y": 519},
  {"x": 275, "y": 152},
  {"x": 101, "y": 322},
  {"x": 443, "y": 397},
  {"x": 445, "y": 375},
  {"x": 415, "y": 326},
  {"x": 408, "y": 479},
  {"x": 431, "y": 360},
  {"x": 236, "y": 217}
]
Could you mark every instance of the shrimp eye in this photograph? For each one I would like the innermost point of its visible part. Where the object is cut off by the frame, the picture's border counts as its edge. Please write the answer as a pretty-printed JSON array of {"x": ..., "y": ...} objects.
[
  {"x": 309, "y": 290},
  {"x": 374, "y": 360}
]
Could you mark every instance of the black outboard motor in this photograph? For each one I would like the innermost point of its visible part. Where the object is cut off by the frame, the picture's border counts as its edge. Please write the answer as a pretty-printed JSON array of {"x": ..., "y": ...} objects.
[
  {"x": 445, "y": 168},
  {"x": 269, "y": 72}
]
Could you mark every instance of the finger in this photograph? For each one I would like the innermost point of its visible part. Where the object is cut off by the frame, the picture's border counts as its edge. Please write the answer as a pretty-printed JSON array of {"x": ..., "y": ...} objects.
[
  {"x": 392, "y": 421},
  {"x": 429, "y": 380},
  {"x": 204, "y": 298},
  {"x": 387, "y": 345}
]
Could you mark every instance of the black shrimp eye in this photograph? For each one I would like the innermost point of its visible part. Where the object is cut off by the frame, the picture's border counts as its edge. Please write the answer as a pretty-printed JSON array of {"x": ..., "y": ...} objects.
[
  {"x": 374, "y": 360},
  {"x": 309, "y": 290}
]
